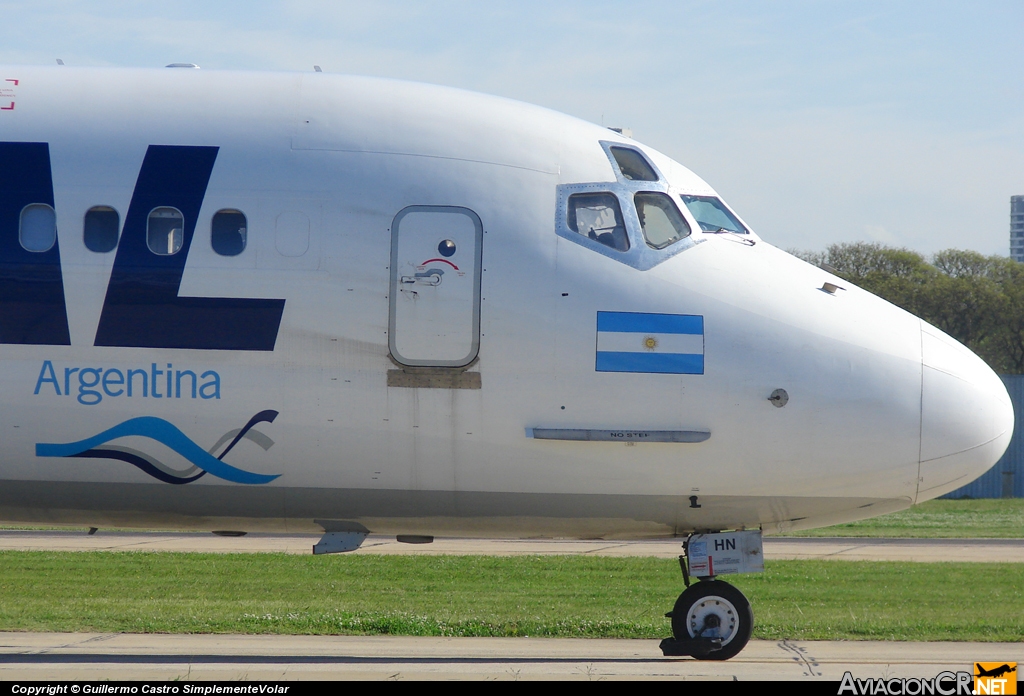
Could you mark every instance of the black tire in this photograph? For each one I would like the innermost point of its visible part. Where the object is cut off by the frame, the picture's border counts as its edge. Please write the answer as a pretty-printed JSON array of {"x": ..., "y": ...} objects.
[{"x": 714, "y": 602}]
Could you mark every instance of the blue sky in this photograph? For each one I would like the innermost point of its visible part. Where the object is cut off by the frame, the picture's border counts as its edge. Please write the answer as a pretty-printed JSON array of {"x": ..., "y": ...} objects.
[{"x": 819, "y": 122}]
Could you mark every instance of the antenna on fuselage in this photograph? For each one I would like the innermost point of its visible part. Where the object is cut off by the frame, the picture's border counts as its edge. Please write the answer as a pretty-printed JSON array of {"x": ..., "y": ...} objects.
[
  {"x": 317, "y": 68},
  {"x": 60, "y": 62}
]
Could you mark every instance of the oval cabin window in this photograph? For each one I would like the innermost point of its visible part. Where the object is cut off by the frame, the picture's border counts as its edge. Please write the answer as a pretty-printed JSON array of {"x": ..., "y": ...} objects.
[
  {"x": 101, "y": 229},
  {"x": 164, "y": 231},
  {"x": 38, "y": 229},
  {"x": 228, "y": 232}
]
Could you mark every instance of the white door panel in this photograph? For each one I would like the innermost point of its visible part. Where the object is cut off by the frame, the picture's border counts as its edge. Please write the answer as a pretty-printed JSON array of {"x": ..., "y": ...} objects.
[{"x": 435, "y": 286}]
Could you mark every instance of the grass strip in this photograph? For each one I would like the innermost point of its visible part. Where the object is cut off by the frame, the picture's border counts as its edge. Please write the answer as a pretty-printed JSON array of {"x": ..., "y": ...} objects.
[
  {"x": 939, "y": 519},
  {"x": 565, "y": 596}
]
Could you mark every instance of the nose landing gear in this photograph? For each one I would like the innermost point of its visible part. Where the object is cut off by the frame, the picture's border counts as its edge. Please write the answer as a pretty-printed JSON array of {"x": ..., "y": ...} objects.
[{"x": 712, "y": 620}]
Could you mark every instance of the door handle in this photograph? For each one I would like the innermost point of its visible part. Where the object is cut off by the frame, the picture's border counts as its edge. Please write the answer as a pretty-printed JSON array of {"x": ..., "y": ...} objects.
[{"x": 431, "y": 277}]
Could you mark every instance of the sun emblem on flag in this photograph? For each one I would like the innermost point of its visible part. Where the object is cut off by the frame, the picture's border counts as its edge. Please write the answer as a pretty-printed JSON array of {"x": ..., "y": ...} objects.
[{"x": 650, "y": 342}]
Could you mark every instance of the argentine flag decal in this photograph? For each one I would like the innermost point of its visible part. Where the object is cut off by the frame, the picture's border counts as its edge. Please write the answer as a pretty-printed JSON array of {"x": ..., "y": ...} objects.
[{"x": 663, "y": 343}]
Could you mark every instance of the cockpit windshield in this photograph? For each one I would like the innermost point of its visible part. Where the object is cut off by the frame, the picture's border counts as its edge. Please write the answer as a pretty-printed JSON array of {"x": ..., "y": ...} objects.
[
  {"x": 712, "y": 215},
  {"x": 660, "y": 220},
  {"x": 598, "y": 217}
]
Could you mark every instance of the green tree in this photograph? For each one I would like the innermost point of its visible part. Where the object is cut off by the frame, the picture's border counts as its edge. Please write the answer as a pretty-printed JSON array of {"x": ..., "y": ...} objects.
[
  {"x": 1007, "y": 341},
  {"x": 966, "y": 300}
]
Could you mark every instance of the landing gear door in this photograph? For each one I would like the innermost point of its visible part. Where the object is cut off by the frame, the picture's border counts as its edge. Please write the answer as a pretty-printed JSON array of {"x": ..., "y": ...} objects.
[
  {"x": 435, "y": 286},
  {"x": 725, "y": 553}
]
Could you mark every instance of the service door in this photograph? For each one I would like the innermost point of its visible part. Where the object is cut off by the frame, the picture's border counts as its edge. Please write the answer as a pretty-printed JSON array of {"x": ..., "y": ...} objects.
[{"x": 435, "y": 286}]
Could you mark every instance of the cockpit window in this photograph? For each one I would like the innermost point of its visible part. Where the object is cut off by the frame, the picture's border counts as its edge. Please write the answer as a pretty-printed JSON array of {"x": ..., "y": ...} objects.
[
  {"x": 633, "y": 165},
  {"x": 712, "y": 215},
  {"x": 598, "y": 216},
  {"x": 660, "y": 219}
]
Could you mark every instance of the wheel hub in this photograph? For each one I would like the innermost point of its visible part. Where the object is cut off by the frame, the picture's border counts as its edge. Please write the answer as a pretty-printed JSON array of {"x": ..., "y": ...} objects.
[{"x": 713, "y": 617}]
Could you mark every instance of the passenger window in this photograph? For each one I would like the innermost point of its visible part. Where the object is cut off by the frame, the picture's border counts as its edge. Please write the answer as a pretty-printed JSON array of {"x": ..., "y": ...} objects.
[
  {"x": 38, "y": 229},
  {"x": 633, "y": 165},
  {"x": 712, "y": 215},
  {"x": 597, "y": 216},
  {"x": 660, "y": 219},
  {"x": 164, "y": 231},
  {"x": 101, "y": 230},
  {"x": 228, "y": 232}
]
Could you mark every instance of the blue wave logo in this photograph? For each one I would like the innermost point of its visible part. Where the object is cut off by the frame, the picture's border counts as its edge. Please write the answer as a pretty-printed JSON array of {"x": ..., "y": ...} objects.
[{"x": 167, "y": 434}]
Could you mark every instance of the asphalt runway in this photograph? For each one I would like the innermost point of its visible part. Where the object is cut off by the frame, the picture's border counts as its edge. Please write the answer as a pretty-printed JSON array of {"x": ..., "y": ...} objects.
[
  {"x": 68, "y": 656},
  {"x": 775, "y": 548}
]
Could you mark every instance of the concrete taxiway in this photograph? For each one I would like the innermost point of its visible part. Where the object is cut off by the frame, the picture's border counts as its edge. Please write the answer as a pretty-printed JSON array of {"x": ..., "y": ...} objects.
[
  {"x": 63, "y": 656},
  {"x": 775, "y": 548}
]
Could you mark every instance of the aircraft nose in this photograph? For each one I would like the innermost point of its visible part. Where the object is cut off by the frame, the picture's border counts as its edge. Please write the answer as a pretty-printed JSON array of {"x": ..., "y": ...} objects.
[{"x": 966, "y": 415}]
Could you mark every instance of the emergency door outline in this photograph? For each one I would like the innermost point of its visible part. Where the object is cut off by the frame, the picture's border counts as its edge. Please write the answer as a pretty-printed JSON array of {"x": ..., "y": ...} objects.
[{"x": 434, "y": 302}]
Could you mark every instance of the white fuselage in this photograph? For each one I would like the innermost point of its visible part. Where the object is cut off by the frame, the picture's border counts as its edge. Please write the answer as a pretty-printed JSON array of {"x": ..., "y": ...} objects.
[{"x": 883, "y": 410}]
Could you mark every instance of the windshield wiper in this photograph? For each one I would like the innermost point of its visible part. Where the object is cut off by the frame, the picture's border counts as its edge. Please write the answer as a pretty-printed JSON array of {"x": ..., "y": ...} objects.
[{"x": 740, "y": 236}]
